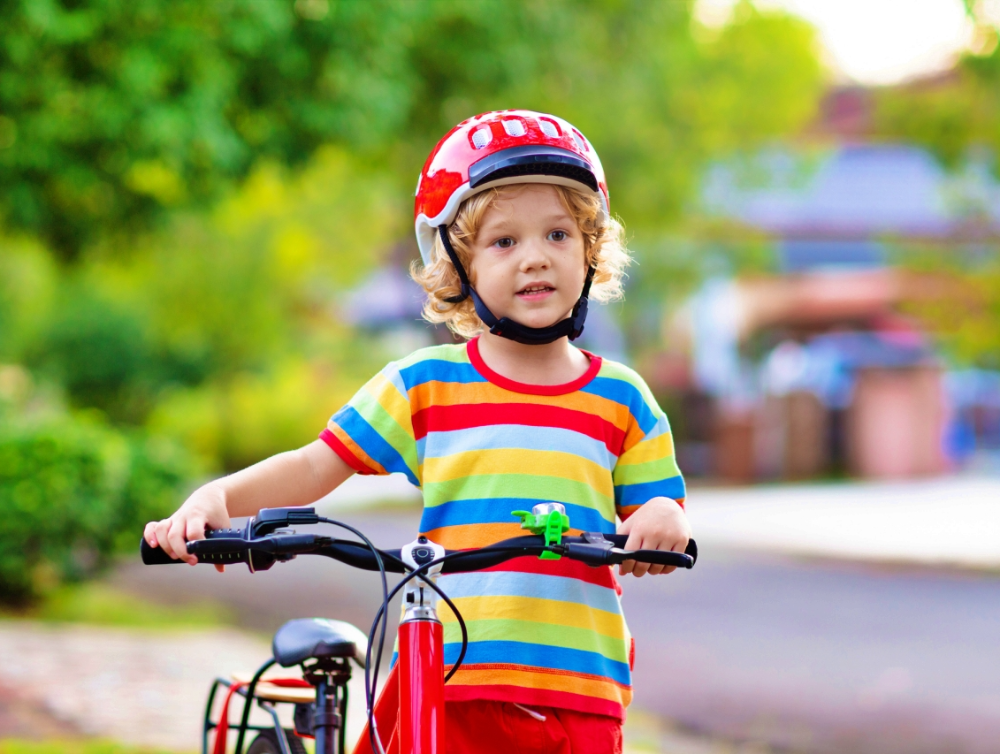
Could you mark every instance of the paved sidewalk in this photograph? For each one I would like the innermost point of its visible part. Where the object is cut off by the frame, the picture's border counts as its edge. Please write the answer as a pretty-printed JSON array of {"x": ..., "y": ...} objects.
[
  {"x": 953, "y": 521},
  {"x": 139, "y": 687}
]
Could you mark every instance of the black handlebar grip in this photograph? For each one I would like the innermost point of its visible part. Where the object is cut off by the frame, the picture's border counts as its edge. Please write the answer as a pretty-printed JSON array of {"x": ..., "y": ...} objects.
[
  {"x": 156, "y": 555},
  {"x": 661, "y": 557}
]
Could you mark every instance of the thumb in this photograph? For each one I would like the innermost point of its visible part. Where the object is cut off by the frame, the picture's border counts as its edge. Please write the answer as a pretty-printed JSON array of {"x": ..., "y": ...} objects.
[{"x": 625, "y": 527}]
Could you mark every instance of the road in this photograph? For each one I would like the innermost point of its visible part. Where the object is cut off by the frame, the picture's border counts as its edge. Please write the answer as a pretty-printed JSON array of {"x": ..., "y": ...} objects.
[{"x": 803, "y": 655}]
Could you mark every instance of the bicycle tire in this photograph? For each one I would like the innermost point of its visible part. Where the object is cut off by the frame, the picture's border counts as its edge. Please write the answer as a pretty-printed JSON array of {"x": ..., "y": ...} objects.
[{"x": 266, "y": 742}]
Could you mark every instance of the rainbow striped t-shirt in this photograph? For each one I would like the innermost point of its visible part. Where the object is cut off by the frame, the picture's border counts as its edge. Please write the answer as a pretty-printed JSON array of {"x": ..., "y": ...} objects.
[{"x": 541, "y": 632}]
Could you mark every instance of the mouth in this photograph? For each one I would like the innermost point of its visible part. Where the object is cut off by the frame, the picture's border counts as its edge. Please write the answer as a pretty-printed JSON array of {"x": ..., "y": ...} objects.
[{"x": 536, "y": 289}]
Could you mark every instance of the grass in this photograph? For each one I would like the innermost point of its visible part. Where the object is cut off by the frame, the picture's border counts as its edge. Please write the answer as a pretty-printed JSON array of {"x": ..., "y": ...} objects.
[
  {"x": 69, "y": 746},
  {"x": 99, "y": 604}
]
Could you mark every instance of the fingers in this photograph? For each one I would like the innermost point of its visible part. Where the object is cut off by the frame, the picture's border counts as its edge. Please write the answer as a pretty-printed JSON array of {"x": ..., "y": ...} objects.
[
  {"x": 634, "y": 542},
  {"x": 177, "y": 538},
  {"x": 160, "y": 529}
]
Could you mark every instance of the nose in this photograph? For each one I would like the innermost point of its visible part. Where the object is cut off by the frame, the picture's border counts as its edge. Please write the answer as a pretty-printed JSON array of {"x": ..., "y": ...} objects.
[{"x": 534, "y": 256}]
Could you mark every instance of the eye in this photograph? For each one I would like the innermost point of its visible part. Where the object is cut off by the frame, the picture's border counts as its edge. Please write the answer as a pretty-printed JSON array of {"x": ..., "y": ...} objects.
[
  {"x": 504, "y": 243},
  {"x": 558, "y": 236}
]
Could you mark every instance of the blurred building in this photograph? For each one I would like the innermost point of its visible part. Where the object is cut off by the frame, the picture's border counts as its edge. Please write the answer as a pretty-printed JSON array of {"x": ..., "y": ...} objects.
[{"x": 815, "y": 369}]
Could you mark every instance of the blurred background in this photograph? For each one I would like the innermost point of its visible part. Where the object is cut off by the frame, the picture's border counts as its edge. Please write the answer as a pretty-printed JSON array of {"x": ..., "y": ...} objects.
[{"x": 205, "y": 229}]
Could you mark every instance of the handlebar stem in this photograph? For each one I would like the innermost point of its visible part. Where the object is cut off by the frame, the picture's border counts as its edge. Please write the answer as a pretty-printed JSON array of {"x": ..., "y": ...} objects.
[{"x": 418, "y": 597}]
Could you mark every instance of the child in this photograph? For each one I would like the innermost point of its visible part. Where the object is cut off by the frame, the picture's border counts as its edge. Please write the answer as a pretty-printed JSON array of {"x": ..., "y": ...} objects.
[{"x": 513, "y": 222}]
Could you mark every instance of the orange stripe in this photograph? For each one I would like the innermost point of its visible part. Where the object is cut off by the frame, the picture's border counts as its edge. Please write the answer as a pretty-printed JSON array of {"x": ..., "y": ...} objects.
[
  {"x": 356, "y": 449},
  {"x": 449, "y": 394},
  {"x": 467, "y": 536},
  {"x": 596, "y": 689}
]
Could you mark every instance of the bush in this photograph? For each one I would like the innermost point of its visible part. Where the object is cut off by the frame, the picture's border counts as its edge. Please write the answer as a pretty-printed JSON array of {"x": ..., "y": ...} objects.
[{"x": 74, "y": 494}]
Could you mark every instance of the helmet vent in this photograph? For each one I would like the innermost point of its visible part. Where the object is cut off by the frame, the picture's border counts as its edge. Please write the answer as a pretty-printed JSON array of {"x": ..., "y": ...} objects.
[
  {"x": 482, "y": 136},
  {"x": 548, "y": 128},
  {"x": 580, "y": 141},
  {"x": 514, "y": 127}
]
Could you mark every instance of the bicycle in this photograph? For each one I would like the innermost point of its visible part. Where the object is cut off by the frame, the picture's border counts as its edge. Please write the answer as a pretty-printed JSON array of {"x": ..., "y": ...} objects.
[{"x": 324, "y": 649}]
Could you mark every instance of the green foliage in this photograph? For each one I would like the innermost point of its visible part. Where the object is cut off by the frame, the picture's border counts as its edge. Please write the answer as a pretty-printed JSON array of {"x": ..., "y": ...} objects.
[
  {"x": 28, "y": 284},
  {"x": 93, "y": 348},
  {"x": 221, "y": 173},
  {"x": 99, "y": 604},
  {"x": 67, "y": 746},
  {"x": 963, "y": 308},
  {"x": 73, "y": 494},
  {"x": 113, "y": 112},
  {"x": 953, "y": 115},
  {"x": 236, "y": 420}
]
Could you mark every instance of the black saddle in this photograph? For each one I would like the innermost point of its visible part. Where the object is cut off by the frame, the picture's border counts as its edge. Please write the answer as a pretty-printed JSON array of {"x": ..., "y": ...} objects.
[{"x": 302, "y": 639}]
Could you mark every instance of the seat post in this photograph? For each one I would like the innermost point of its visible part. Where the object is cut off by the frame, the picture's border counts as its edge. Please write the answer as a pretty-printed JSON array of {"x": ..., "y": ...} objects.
[{"x": 327, "y": 720}]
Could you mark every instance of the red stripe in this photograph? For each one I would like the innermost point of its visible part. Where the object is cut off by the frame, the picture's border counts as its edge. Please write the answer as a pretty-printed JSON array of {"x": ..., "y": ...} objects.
[
  {"x": 344, "y": 452},
  {"x": 535, "y": 697},
  {"x": 468, "y": 416},
  {"x": 472, "y": 349},
  {"x": 573, "y": 569}
]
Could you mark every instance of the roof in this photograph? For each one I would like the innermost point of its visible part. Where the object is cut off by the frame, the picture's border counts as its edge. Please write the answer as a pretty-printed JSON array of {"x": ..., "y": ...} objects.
[{"x": 853, "y": 191}]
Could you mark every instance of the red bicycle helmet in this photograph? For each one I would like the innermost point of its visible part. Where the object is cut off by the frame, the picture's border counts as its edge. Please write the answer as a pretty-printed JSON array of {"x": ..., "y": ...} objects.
[{"x": 498, "y": 148}]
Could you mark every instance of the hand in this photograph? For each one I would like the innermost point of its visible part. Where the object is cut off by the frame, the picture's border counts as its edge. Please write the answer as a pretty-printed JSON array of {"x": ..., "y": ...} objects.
[
  {"x": 206, "y": 507},
  {"x": 660, "y": 524}
]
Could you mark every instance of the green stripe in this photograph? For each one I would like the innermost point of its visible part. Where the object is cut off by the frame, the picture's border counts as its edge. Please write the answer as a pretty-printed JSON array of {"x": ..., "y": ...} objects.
[
  {"x": 547, "y": 634},
  {"x": 650, "y": 471},
  {"x": 454, "y": 353},
  {"x": 385, "y": 425},
  {"x": 534, "y": 486}
]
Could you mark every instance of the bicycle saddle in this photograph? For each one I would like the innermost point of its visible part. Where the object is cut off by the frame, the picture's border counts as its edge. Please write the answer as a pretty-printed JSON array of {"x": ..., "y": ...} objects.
[{"x": 302, "y": 639}]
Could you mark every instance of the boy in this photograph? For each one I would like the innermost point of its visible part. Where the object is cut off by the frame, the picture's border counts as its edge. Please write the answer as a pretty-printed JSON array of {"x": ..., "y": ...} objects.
[{"x": 513, "y": 222}]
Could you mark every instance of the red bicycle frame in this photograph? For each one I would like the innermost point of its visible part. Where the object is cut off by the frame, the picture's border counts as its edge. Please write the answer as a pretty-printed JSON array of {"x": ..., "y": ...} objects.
[{"x": 411, "y": 705}]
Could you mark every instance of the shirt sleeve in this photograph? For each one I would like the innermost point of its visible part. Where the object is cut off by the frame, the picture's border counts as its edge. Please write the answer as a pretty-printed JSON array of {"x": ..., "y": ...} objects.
[
  {"x": 373, "y": 433},
  {"x": 647, "y": 467}
]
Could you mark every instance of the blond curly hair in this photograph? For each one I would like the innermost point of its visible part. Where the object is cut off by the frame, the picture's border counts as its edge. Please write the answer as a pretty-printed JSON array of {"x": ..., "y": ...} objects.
[{"x": 603, "y": 243}]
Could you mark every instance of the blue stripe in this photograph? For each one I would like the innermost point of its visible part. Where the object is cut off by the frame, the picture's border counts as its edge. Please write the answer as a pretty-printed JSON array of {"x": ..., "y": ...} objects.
[
  {"x": 637, "y": 494},
  {"x": 438, "y": 370},
  {"x": 359, "y": 430},
  {"x": 497, "y": 510},
  {"x": 542, "y": 586},
  {"x": 539, "y": 656},
  {"x": 626, "y": 394},
  {"x": 518, "y": 436}
]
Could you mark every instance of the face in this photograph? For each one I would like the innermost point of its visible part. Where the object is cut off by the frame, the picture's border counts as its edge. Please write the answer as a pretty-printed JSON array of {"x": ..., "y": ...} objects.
[{"x": 528, "y": 259}]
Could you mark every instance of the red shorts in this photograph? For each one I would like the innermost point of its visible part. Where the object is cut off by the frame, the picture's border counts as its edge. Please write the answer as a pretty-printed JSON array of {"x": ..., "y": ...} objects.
[{"x": 486, "y": 727}]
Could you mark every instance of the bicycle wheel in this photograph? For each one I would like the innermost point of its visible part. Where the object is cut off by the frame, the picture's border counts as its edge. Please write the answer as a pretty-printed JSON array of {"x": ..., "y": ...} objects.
[{"x": 267, "y": 743}]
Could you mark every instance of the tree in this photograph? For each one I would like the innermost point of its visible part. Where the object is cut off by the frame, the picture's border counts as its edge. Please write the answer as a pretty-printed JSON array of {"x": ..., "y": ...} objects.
[{"x": 113, "y": 113}]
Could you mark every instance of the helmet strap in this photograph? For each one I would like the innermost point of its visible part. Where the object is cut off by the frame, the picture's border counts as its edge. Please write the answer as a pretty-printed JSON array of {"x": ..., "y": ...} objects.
[{"x": 571, "y": 327}]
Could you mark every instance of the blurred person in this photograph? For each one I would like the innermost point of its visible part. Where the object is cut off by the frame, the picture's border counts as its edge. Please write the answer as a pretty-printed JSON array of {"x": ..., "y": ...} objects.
[{"x": 515, "y": 233}]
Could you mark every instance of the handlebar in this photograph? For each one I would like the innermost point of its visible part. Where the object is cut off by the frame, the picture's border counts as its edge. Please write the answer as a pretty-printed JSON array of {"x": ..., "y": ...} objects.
[{"x": 262, "y": 543}]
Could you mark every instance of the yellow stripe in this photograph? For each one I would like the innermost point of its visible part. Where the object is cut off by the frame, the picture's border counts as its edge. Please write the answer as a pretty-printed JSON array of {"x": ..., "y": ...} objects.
[
  {"x": 541, "y": 610},
  {"x": 389, "y": 398},
  {"x": 553, "y": 463},
  {"x": 651, "y": 450}
]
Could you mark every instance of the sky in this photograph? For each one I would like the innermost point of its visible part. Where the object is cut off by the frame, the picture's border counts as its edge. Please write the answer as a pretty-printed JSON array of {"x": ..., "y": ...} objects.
[{"x": 875, "y": 41}]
